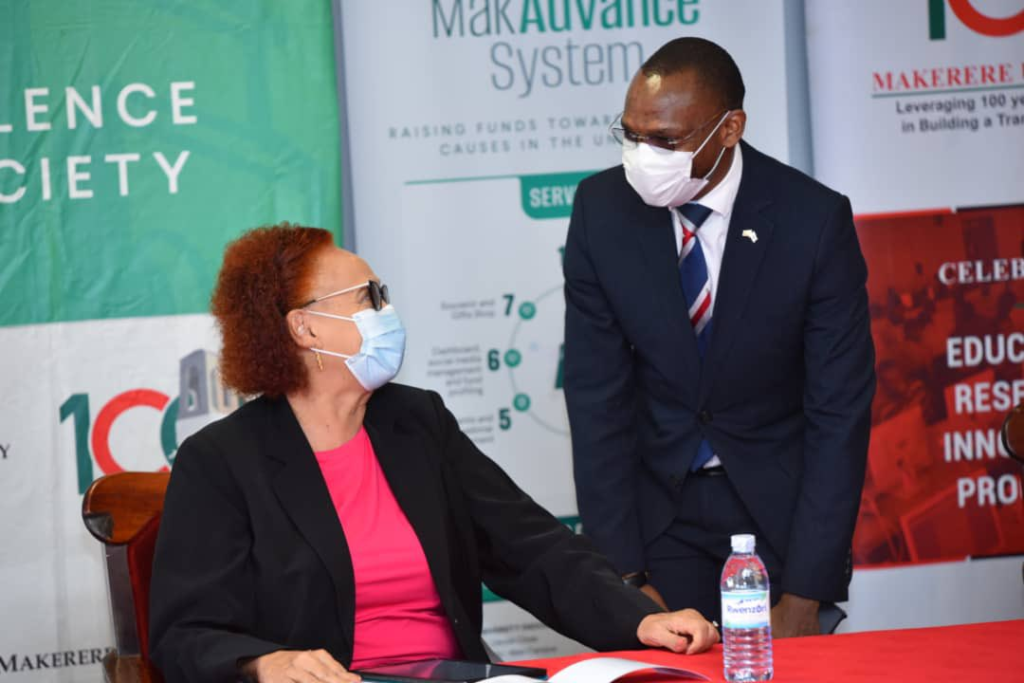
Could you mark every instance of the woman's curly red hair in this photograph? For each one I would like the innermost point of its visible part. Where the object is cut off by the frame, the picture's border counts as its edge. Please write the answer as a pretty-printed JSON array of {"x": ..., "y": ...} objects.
[{"x": 265, "y": 274}]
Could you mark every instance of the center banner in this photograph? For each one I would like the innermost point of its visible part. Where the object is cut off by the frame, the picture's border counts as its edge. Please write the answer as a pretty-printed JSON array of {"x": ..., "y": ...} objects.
[{"x": 470, "y": 125}]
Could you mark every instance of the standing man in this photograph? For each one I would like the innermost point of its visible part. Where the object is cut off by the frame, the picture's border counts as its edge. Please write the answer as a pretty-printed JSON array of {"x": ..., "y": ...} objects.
[{"x": 719, "y": 368}]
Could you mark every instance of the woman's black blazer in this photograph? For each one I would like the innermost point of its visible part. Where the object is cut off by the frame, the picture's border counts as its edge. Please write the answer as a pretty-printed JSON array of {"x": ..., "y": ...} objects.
[{"x": 251, "y": 557}]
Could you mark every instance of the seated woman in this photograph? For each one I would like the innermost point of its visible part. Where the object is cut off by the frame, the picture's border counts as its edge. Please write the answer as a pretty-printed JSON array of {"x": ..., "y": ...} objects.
[{"x": 339, "y": 522}]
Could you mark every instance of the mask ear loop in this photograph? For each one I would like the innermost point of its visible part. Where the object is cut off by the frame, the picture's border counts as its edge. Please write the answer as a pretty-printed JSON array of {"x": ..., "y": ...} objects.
[
  {"x": 719, "y": 159},
  {"x": 324, "y": 351},
  {"x": 316, "y": 352},
  {"x": 708, "y": 138},
  {"x": 319, "y": 361}
]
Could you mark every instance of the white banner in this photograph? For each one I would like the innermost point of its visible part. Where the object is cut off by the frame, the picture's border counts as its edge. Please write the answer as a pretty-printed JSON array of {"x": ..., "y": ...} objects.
[
  {"x": 913, "y": 108},
  {"x": 95, "y": 413},
  {"x": 918, "y": 115},
  {"x": 470, "y": 124}
]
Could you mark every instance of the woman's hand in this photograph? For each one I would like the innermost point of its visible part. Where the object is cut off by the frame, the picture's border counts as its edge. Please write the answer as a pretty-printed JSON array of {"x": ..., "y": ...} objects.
[
  {"x": 298, "y": 666},
  {"x": 684, "y": 631}
]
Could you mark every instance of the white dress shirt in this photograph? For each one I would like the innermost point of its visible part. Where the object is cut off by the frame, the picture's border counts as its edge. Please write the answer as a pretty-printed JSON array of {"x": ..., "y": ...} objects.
[{"x": 713, "y": 232}]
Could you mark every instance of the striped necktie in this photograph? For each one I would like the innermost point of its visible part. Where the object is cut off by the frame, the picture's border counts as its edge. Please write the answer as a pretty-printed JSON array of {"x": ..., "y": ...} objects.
[{"x": 693, "y": 274}]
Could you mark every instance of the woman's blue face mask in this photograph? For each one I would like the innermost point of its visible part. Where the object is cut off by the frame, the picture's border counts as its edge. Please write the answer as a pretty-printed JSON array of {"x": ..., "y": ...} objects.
[{"x": 380, "y": 356}]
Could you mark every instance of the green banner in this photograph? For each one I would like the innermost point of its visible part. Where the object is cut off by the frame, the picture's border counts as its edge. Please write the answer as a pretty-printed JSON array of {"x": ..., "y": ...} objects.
[
  {"x": 550, "y": 195},
  {"x": 138, "y": 136}
]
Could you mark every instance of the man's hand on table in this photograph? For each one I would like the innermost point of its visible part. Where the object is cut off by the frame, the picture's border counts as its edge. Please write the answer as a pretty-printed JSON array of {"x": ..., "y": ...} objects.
[
  {"x": 795, "y": 616},
  {"x": 685, "y": 631}
]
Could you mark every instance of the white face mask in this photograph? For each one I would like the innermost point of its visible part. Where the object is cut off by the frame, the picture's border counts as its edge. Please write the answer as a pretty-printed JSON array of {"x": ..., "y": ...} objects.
[{"x": 662, "y": 177}]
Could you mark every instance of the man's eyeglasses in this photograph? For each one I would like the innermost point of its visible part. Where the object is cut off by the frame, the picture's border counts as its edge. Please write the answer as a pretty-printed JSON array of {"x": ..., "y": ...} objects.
[
  {"x": 630, "y": 139},
  {"x": 379, "y": 296}
]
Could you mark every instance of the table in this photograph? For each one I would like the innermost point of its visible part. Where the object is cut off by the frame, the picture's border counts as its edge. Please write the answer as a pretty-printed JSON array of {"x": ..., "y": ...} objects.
[{"x": 990, "y": 652}]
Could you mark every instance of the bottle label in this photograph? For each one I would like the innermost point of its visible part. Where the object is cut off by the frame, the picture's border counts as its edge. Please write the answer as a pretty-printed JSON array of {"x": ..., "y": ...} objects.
[{"x": 745, "y": 609}]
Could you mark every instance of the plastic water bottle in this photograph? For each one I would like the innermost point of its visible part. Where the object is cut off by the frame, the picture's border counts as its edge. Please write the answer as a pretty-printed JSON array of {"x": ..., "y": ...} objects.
[{"x": 746, "y": 614}]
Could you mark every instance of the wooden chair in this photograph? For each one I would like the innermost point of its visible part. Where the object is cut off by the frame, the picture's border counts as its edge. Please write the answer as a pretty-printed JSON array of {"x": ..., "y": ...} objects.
[
  {"x": 123, "y": 512},
  {"x": 1013, "y": 433}
]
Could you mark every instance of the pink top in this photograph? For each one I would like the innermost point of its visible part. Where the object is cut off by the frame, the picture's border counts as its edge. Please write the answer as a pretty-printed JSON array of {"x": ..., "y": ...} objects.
[{"x": 399, "y": 616}]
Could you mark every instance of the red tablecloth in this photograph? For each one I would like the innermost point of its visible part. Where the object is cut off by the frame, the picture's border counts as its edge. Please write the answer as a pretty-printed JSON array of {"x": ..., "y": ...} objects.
[{"x": 991, "y": 652}]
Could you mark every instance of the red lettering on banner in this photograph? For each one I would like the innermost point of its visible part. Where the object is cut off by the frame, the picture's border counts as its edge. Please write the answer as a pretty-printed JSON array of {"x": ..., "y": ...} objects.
[
  {"x": 937, "y": 78},
  {"x": 105, "y": 420},
  {"x": 984, "y": 24}
]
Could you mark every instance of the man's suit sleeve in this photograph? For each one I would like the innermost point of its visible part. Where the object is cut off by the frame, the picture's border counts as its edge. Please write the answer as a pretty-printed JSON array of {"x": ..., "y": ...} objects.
[
  {"x": 839, "y": 385},
  {"x": 601, "y": 401},
  {"x": 529, "y": 557},
  {"x": 202, "y": 596}
]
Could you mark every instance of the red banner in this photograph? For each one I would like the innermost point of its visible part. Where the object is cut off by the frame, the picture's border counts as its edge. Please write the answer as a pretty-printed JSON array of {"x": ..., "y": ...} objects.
[{"x": 946, "y": 292}]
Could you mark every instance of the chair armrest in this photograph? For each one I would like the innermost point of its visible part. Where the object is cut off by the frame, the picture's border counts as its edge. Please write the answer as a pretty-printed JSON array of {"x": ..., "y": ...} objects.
[{"x": 133, "y": 669}]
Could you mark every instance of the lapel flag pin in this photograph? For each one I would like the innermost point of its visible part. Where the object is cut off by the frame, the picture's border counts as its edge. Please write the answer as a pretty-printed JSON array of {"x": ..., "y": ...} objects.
[{"x": 750, "y": 235}]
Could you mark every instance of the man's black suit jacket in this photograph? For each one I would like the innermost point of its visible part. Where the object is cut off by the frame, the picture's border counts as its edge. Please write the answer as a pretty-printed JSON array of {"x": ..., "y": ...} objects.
[
  {"x": 251, "y": 557},
  {"x": 783, "y": 395}
]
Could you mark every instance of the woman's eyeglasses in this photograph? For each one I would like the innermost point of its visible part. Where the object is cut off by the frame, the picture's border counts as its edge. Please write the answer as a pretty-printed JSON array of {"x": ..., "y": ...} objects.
[{"x": 379, "y": 296}]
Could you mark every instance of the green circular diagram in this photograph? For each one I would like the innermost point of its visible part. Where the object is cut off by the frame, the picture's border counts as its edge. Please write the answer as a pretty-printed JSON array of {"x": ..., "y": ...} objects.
[{"x": 534, "y": 361}]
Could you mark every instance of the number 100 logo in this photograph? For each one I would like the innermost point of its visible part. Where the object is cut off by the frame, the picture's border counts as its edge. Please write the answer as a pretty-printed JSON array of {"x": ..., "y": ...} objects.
[{"x": 202, "y": 399}]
